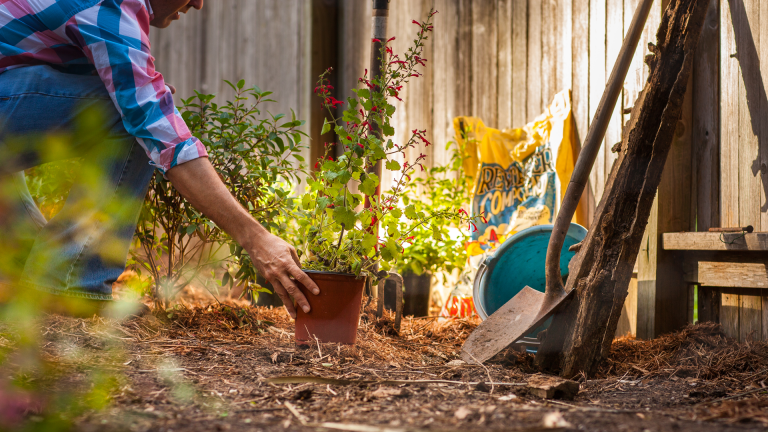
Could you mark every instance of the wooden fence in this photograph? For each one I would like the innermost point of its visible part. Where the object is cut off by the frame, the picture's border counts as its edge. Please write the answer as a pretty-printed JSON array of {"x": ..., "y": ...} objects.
[
  {"x": 264, "y": 42},
  {"x": 503, "y": 61}
]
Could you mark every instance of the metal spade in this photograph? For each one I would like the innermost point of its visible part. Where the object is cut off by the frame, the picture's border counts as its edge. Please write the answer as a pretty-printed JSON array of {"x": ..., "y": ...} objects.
[{"x": 530, "y": 308}]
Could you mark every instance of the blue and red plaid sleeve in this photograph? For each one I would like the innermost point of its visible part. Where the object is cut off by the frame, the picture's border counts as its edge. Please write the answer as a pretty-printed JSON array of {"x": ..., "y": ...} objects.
[{"x": 114, "y": 35}]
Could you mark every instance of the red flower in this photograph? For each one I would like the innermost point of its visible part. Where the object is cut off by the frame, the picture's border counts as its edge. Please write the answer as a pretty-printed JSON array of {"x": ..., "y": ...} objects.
[
  {"x": 416, "y": 22},
  {"x": 361, "y": 146},
  {"x": 376, "y": 41}
]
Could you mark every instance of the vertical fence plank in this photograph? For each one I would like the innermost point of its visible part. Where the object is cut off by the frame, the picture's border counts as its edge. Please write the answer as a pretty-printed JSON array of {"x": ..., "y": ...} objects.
[
  {"x": 580, "y": 83},
  {"x": 729, "y": 312},
  {"x": 729, "y": 136},
  {"x": 564, "y": 35},
  {"x": 534, "y": 60},
  {"x": 614, "y": 40},
  {"x": 597, "y": 80},
  {"x": 750, "y": 316},
  {"x": 519, "y": 63},
  {"x": 765, "y": 315},
  {"x": 325, "y": 55},
  {"x": 747, "y": 48},
  {"x": 706, "y": 122},
  {"x": 763, "y": 165},
  {"x": 505, "y": 96},
  {"x": 484, "y": 65},
  {"x": 548, "y": 53},
  {"x": 446, "y": 84}
]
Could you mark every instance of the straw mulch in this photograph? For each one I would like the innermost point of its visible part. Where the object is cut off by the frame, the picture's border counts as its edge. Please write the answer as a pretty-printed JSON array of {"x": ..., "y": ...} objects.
[
  {"x": 699, "y": 351},
  {"x": 420, "y": 341}
]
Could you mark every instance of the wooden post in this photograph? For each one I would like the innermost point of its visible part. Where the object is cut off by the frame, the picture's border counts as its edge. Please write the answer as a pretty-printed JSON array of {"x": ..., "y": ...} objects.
[
  {"x": 325, "y": 50},
  {"x": 581, "y": 334}
]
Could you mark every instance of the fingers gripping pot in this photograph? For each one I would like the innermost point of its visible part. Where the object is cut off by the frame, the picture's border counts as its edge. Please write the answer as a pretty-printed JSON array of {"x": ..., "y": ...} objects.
[{"x": 334, "y": 313}]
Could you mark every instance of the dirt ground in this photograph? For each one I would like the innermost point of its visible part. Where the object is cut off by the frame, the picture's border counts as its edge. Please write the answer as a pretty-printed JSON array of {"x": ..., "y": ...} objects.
[{"x": 209, "y": 368}]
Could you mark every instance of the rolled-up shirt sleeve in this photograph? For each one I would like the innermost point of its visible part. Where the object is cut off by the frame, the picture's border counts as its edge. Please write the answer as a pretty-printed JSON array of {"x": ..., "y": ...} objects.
[{"x": 114, "y": 35}]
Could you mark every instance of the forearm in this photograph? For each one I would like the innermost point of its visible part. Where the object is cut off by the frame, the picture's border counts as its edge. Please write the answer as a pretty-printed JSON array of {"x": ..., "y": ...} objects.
[{"x": 198, "y": 182}]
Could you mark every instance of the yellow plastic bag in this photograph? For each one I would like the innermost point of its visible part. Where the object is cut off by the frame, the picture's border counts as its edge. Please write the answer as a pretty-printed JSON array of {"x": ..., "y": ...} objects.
[{"x": 519, "y": 175}]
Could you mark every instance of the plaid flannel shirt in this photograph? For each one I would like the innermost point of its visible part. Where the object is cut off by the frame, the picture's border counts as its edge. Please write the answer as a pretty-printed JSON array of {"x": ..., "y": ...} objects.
[{"x": 110, "y": 37}]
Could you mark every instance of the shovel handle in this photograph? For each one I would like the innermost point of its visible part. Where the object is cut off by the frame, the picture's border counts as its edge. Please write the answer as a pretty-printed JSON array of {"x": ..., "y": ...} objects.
[{"x": 591, "y": 148}]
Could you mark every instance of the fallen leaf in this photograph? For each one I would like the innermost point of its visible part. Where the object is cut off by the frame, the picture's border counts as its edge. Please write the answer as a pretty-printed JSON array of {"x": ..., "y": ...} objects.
[
  {"x": 386, "y": 392},
  {"x": 275, "y": 355},
  {"x": 554, "y": 420},
  {"x": 456, "y": 363},
  {"x": 462, "y": 413},
  {"x": 508, "y": 397}
]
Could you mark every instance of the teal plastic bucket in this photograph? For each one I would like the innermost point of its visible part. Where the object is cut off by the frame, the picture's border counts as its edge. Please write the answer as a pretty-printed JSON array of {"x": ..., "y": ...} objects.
[{"x": 518, "y": 263}]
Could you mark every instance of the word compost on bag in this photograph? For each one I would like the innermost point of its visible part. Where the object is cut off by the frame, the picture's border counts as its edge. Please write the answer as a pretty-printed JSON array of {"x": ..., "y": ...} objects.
[{"x": 518, "y": 173}]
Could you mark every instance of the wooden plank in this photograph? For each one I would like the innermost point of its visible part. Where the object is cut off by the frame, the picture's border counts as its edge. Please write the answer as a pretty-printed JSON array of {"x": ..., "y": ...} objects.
[
  {"x": 484, "y": 66},
  {"x": 628, "y": 321},
  {"x": 505, "y": 95},
  {"x": 534, "y": 99},
  {"x": 730, "y": 275},
  {"x": 520, "y": 63},
  {"x": 729, "y": 106},
  {"x": 564, "y": 35},
  {"x": 447, "y": 88},
  {"x": 706, "y": 241},
  {"x": 580, "y": 74},
  {"x": 763, "y": 166},
  {"x": 548, "y": 53},
  {"x": 706, "y": 123},
  {"x": 747, "y": 45},
  {"x": 709, "y": 304},
  {"x": 614, "y": 28},
  {"x": 597, "y": 80},
  {"x": 729, "y": 312},
  {"x": 750, "y": 316},
  {"x": 325, "y": 54},
  {"x": 647, "y": 264},
  {"x": 765, "y": 316},
  {"x": 580, "y": 83},
  {"x": 418, "y": 94}
]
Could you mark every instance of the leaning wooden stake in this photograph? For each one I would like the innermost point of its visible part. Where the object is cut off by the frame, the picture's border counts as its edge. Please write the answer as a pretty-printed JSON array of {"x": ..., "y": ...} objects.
[{"x": 581, "y": 334}]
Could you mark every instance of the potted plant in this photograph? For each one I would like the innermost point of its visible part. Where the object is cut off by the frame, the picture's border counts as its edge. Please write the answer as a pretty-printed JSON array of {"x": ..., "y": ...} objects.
[
  {"x": 435, "y": 250},
  {"x": 340, "y": 214}
]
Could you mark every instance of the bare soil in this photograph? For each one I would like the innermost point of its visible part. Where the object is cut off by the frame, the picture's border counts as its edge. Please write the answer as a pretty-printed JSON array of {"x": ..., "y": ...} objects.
[{"x": 207, "y": 368}]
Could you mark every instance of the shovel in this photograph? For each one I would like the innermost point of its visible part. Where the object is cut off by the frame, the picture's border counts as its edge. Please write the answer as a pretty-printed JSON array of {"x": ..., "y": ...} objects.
[{"x": 530, "y": 308}]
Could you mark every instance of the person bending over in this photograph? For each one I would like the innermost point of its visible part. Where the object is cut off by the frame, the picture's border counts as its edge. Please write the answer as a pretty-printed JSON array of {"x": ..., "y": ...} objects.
[{"x": 60, "y": 59}]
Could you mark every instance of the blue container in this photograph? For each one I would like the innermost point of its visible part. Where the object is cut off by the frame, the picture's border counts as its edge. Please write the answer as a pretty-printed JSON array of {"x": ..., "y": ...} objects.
[{"x": 520, "y": 261}]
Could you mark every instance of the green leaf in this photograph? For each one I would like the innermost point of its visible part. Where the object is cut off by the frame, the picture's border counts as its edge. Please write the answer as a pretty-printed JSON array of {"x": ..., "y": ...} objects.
[
  {"x": 393, "y": 165},
  {"x": 410, "y": 212},
  {"x": 344, "y": 216},
  {"x": 368, "y": 186},
  {"x": 387, "y": 130},
  {"x": 326, "y": 127}
]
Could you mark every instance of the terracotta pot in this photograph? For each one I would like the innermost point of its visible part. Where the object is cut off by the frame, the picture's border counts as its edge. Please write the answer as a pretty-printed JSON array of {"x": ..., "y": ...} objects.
[{"x": 335, "y": 312}]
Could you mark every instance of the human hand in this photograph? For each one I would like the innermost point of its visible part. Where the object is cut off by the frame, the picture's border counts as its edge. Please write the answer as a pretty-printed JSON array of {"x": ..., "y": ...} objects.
[{"x": 278, "y": 261}]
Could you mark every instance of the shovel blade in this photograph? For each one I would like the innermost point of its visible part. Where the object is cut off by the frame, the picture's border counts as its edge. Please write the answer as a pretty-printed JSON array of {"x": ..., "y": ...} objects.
[{"x": 518, "y": 317}]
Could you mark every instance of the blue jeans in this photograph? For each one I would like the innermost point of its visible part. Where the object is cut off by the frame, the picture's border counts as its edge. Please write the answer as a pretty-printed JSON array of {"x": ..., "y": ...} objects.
[{"x": 46, "y": 115}]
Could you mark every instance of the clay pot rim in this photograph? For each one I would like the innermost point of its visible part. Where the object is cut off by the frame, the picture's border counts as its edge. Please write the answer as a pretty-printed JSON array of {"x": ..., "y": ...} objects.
[{"x": 332, "y": 273}]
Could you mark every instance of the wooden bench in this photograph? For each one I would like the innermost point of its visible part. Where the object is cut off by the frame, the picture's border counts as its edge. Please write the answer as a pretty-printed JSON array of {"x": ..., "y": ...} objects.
[{"x": 731, "y": 271}]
